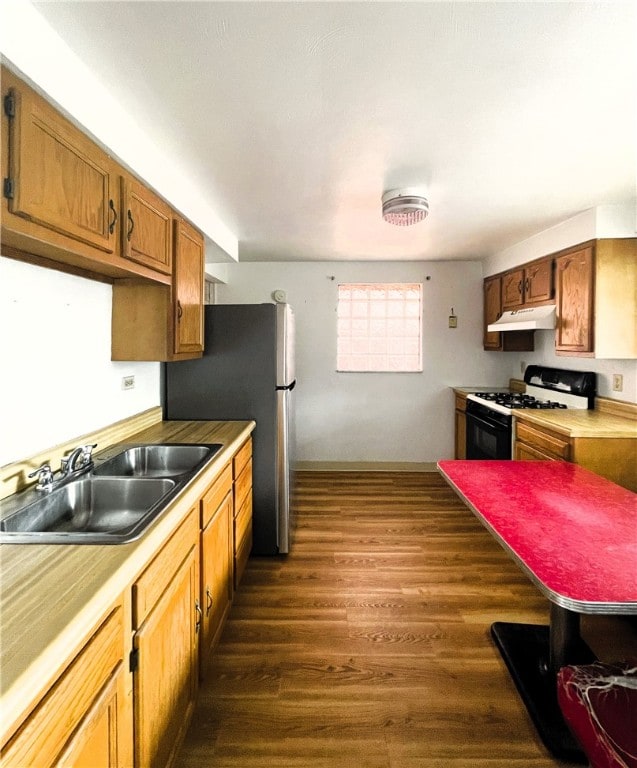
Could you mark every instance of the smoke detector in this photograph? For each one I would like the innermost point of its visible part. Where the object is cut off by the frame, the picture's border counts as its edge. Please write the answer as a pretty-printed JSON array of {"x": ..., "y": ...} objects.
[{"x": 404, "y": 207}]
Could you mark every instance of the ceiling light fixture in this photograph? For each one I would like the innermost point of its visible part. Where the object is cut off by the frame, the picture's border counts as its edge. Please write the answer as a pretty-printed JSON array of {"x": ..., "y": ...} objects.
[{"x": 404, "y": 207}]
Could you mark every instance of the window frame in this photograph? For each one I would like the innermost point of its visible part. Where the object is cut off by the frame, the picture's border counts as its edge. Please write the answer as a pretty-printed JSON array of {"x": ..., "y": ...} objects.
[{"x": 409, "y": 359}]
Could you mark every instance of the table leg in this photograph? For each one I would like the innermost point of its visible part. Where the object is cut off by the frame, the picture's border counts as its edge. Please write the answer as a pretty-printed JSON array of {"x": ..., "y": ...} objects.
[{"x": 533, "y": 654}]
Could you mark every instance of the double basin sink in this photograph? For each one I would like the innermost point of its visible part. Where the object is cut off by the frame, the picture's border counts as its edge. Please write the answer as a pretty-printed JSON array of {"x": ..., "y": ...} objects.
[{"x": 113, "y": 503}]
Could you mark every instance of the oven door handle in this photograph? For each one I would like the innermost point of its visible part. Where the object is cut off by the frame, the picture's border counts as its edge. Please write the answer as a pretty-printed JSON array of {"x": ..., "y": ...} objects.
[{"x": 488, "y": 424}]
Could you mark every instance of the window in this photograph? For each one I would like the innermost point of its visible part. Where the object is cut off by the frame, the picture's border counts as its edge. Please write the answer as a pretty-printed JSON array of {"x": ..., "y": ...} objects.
[{"x": 378, "y": 327}]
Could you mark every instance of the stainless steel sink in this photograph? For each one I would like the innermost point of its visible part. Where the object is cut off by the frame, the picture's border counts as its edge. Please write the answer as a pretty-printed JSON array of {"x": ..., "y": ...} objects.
[
  {"x": 157, "y": 460},
  {"x": 113, "y": 503},
  {"x": 100, "y": 508}
]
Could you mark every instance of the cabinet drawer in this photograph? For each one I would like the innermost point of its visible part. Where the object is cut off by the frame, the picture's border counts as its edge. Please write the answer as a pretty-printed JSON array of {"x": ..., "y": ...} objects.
[
  {"x": 545, "y": 441},
  {"x": 461, "y": 403},
  {"x": 47, "y": 730},
  {"x": 153, "y": 582},
  {"x": 524, "y": 452},
  {"x": 241, "y": 458},
  {"x": 215, "y": 495},
  {"x": 242, "y": 486}
]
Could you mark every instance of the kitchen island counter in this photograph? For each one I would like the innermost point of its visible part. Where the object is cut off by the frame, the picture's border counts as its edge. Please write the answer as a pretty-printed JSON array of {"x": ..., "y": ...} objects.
[
  {"x": 51, "y": 596},
  {"x": 575, "y": 535}
]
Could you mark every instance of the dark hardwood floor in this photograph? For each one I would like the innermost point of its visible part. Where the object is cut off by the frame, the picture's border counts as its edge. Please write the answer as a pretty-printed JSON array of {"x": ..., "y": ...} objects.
[{"x": 369, "y": 644}]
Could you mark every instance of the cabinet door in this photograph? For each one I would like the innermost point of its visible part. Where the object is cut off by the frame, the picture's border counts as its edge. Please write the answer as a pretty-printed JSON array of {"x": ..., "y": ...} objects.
[
  {"x": 461, "y": 435},
  {"x": 538, "y": 282},
  {"x": 242, "y": 538},
  {"x": 574, "y": 286},
  {"x": 165, "y": 682},
  {"x": 61, "y": 180},
  {"x": 86, "y": 704},
  {"x": 216, "y": 575},
  {"x": 146, "y": 228},
  {"x": 95, "y": 743},
  {"x": 188, "y": 285},
  {"x": 513, "y": 289},
  {"x": 492, "y": 308}
]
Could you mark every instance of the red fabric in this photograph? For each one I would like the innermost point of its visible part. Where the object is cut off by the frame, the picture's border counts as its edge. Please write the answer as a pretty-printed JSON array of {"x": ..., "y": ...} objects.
[{"x": 601, "y": 710}]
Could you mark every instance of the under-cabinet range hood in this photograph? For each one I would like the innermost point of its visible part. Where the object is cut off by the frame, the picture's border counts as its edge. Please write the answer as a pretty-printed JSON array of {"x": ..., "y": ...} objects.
[{"x": 528, "y": 319}]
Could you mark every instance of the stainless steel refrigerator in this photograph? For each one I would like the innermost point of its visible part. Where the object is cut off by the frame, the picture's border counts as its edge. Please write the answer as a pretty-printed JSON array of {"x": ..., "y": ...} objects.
[{"x": 247, "y": 372}]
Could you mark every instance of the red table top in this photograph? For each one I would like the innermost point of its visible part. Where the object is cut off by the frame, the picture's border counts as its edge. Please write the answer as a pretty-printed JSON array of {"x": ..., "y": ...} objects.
[{"x": 572, "y": 531}]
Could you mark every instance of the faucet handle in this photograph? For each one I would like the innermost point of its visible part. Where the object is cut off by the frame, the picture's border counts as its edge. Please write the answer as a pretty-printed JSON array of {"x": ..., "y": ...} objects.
[
  {"x": 45, "y": 477},
  {"x": 86, "y": 455}
]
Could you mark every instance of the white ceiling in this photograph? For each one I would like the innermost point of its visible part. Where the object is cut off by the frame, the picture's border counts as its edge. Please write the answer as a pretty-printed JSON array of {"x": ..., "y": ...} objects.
[{"x": 293, "y": 118}]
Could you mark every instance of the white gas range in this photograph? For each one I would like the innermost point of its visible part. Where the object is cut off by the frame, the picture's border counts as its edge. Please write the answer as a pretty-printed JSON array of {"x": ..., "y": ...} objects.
[{"x": 490, "y": 414}]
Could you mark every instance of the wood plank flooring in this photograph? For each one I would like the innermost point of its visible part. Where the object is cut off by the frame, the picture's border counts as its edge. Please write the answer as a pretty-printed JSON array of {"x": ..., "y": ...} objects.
[{"x": 369, "y": 644}]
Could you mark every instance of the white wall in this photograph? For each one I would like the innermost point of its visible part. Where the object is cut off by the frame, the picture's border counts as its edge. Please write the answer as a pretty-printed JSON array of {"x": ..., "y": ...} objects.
[
  {"x": 603, "y": 221},
  {"x": 58, "y": 381},
  {"x": 368, "y": 417}
]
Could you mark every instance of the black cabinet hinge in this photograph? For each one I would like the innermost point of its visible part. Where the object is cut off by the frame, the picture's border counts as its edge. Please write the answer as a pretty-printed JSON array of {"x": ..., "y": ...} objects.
[
  {"x": 9, "y": 105},
  {"x": 133, "y": 660},
  {"x": 8, "y": 188}
]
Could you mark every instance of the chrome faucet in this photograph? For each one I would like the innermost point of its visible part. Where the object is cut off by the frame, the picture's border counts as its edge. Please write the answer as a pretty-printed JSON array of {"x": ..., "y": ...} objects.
[
  {"x": 79, "y": 459},
  {"x": 78, "y": 462}
]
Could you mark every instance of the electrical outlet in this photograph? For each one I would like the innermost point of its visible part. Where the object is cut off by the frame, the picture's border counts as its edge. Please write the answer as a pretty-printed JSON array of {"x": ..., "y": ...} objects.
[
  {"x": 128, "y": 382},
  {"x": 618, "y": 382}
]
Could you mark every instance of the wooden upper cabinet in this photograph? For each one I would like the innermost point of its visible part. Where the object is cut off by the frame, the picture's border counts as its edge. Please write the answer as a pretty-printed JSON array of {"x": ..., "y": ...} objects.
[
  {"x": 64, "y": 203},
  {"x": 188, "y": 288},
  {"x": 146, "y": 228},
  {"x": 506, "y": 341},
  {"x": 528, "y": 286},
  {"x": 492, "y": 311},
  {"x": 58, "y": 178},
  {"x": 513, "y": 289},
  {"x": 538, "y": 282},
  {"x": 574, "y": 281}
]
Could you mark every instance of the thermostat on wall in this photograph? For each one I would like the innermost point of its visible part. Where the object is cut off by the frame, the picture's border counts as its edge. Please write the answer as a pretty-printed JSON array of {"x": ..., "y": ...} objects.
[{"x": 279, "y": 296}]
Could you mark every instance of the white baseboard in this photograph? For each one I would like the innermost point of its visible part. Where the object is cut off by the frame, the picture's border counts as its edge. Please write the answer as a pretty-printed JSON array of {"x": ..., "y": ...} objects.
[{"x": 365, "y": 466}]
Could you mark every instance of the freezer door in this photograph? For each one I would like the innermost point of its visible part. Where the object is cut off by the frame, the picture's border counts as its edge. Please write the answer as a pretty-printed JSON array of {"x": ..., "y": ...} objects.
[{"x": 284, "y": 345}]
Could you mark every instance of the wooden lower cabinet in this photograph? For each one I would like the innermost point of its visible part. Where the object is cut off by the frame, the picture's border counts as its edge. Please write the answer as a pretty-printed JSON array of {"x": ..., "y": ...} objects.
[
  {"x": 242, "y": 523},
  {"x": 167, "y": 616},
  {"x": 85, "y": 718},
  {"x": 460, "y": 439},
  {"x": 216, "y": 562},
  {"x": 126, "y": 698},
  {"x": 612, "y": 458}
]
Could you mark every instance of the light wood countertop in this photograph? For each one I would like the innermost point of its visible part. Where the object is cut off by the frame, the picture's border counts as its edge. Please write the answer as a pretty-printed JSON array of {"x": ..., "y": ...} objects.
[
  {"x": 580, "y": 423},
  {"x": 51, "y": 596}
]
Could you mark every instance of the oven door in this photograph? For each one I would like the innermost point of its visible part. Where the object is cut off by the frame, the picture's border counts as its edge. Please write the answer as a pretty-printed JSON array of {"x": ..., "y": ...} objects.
[{"x": 488, "y": 434}]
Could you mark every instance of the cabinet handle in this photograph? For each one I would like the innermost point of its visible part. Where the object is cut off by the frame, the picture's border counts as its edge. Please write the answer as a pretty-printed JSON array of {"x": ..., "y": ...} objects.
[
  {"x": 111, "y": 226},
  {"x": 526, "y": 285},
  {"x": 208, "y": 601},
  {"x": 199, "y": 617},
  {"x": 180, "y": 311},
  {"x": 131, "y": 226},
  {"x": 520, "y": 287}
]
